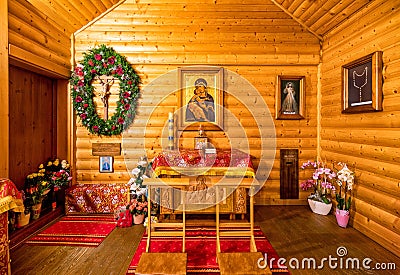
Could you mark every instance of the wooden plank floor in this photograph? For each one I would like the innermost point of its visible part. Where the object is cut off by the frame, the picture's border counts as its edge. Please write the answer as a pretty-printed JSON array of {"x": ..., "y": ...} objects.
[{"x": 294, "y": 231}]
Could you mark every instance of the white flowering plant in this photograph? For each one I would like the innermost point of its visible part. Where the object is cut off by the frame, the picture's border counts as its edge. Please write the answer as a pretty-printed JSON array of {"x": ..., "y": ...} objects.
[
  {"x": 321, "y": 181},
  {"x": 138, "y": 174},
  {"x": 345, "y": 181}
]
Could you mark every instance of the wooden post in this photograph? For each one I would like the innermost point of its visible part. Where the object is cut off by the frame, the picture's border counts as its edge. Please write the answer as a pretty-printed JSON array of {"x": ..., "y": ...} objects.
[{"x": 4, "y": 91}]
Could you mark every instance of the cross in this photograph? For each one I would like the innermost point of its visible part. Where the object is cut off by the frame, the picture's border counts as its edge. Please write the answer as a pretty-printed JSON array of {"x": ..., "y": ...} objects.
[{"x": 105, "y": 94}]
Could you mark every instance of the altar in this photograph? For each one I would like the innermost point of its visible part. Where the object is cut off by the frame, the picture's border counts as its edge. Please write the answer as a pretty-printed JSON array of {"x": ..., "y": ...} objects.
[
  {"x": 196, "y": 172},
  {"x": 190, "y": 181},
  {"x": 10, "y": 199}
]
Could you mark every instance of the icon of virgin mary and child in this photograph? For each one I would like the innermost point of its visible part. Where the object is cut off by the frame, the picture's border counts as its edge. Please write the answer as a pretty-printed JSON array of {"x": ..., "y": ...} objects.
[{"x": 201, "y": 106}]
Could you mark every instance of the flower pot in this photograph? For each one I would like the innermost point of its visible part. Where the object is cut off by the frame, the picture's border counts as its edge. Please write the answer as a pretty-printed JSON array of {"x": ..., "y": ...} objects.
[
  {"x": 320, "y": 207},
  {"x": 23, "y": 219},
  {"x": 342, "y": 217},
  {"x": 138, "y": 219},
  {"x": 36, "y": 209}
]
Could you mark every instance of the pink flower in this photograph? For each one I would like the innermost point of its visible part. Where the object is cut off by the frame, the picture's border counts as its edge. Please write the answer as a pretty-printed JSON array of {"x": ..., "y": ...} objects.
[
  {"x": 85, "y": 105},
  {"x": 119, "y": 70},
  {"x": 127, "y": 106},
  {"x": 90, "y": 62},
  {"x": 78, "y": 71},
  {"x": 78, "y": 99},
  {"x": 111, "y": 60},
  {"x": 120, "y": 120},
  {"x": 83, "y": 116},
  {"x": 96, "y": 128},
  {"x": 97, "y": 56},
  {"x": 93, "y": 71}
]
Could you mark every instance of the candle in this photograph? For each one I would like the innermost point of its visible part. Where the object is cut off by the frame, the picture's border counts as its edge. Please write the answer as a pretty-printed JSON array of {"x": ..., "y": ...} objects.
[{"x": 170, "y": 131}]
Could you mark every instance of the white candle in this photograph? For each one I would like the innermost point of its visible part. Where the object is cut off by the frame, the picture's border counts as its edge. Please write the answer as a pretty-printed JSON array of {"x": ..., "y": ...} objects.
[{"x": 170, "y": 131}]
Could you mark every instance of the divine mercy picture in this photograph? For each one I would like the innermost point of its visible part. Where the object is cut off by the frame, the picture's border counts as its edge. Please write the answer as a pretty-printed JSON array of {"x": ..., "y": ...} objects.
[{"x": 290, "y": 97}]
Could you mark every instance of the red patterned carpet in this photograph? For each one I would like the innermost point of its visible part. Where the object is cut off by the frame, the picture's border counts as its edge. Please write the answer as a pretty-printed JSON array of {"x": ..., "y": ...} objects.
[
  {"x": 201, "y": 249},
  {"x": 76, "y": 230}
]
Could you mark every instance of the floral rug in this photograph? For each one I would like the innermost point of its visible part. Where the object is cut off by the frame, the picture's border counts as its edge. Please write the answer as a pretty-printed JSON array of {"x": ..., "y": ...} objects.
[
  {"x": 76, "y": 230},
  {"x": 201, "y": 249}
]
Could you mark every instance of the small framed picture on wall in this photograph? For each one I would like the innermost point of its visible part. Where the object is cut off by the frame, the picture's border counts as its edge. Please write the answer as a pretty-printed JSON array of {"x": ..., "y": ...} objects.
[
  {"x": 290, "y": 99},
  {"x": 362, "y": 84},
  {"x": 106, "y": 164}
]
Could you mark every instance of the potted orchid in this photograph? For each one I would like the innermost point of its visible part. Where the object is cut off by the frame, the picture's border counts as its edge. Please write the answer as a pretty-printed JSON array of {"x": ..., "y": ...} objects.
[
  {"x": 321, "y": 182},
  {"x": 138, "y": 175},
  {"x": 344, "y": 181}
]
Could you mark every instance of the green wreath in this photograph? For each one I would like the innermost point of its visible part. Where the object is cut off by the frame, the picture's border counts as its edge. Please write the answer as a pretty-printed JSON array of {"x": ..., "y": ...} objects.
[{"x": 101, "y": 61}]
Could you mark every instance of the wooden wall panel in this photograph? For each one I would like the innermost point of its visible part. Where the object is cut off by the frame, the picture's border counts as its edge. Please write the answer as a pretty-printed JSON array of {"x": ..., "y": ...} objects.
[
  {"x": 33, "y": 121},
  {"x": 32, "y": 31},
  {"x": 367, "y": 141},
  {"x": 158, "y": 38}
]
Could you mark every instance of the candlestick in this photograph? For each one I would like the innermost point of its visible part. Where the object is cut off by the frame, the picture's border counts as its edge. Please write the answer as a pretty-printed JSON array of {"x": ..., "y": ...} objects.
[{"x": 170, "y": 131}]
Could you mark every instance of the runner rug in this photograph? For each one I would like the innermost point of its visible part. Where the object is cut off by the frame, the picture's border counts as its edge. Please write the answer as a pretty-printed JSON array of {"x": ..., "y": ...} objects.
[
  {"x": 76, "y": 230},
  {"x": 201, "y": 249}
]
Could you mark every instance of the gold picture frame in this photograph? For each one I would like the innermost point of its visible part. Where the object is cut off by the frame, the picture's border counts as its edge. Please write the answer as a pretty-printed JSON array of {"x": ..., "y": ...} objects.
[
  {"x": 290, "y": 97},
  {"x": 362, "y": 84},
  {"x": 200, "y": 98}
]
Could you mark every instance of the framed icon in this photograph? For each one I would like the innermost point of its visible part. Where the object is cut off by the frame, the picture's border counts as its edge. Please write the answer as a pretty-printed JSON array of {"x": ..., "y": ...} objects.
[
  {"x": 106, "y": 164},
  {"x": 290, "y": 99},
  {"x": 362, "y": 84},
  {"x": 200, "y": 142},
  {"x": 200, "y": 97}
]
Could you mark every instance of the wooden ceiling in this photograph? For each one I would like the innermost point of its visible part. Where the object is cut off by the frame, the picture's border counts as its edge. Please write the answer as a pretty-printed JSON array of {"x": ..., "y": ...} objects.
[{"x": 317, "y": 16}]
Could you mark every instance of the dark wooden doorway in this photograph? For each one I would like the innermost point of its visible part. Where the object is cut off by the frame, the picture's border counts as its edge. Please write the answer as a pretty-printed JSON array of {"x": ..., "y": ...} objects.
[
  {"x": 289, "y": 174},
  {"x": 33, "y": 122}
]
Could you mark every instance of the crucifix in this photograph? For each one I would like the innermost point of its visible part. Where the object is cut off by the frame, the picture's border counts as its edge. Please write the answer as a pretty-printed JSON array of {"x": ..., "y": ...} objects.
[{"x": 106, "y": 82}]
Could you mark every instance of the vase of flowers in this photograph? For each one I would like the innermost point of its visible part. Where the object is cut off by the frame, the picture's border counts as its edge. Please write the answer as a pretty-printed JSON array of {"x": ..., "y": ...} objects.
[
  {"x": 320, "y": 200},
  {"x": 138, "y": 208},
  {"x": 59, "y": 173},
  {"x": 344, "y": 181},
  {"x": 37, "y": 186}
]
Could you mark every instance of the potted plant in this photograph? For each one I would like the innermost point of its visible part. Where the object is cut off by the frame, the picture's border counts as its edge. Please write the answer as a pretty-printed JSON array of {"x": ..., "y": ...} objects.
[
  {"x": 37, "y": 187},
  {"x": 344, "y": 181},
  {"x": 138, "y": 208},
  {"x": 59, "y": 174},
  {"x": 321, "y": 182}
]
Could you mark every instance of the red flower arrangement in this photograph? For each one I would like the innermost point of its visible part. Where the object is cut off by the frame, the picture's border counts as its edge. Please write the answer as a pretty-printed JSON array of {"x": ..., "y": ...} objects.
[{"x": 138, "y": 206}]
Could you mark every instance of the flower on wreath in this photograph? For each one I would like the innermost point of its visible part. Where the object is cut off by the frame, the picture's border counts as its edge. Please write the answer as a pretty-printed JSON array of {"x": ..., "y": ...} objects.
[
  {"x": 344, "y": 181},
  {"x": 321, "y": 181},
  {"x": 99, "y": 61}
]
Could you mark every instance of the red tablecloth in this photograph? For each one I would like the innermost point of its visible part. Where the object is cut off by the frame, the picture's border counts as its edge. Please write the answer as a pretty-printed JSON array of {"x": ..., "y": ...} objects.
[
  {"x": 10, "y": 197},
  {"x": 171, "y": 162},
  {"x": 96, "y": 198}
]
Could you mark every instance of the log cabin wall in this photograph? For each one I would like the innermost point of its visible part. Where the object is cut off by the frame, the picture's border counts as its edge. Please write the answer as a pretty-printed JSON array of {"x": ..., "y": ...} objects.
[
  {"x": 157, "y": 38},
  {"x": 368, "y": 142},
  {"x": 39, "y": 40}
]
